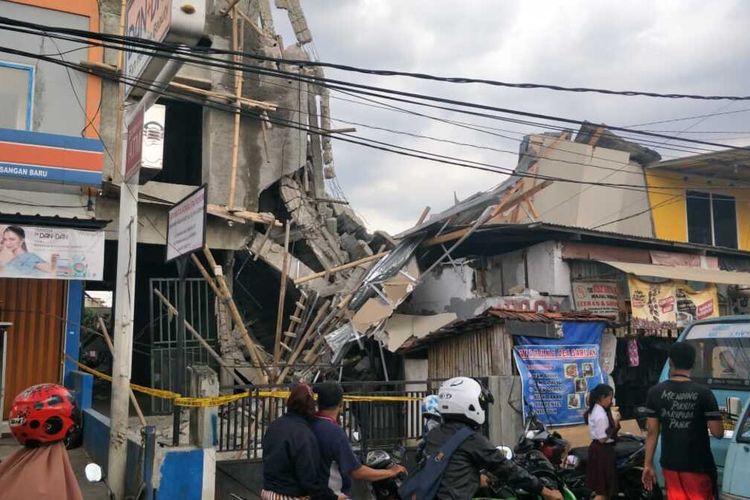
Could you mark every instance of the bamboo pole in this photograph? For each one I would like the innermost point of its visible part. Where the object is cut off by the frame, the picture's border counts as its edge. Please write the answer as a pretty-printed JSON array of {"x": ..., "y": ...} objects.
[
  {"x": 236, "y": 26},
  {"x": 111, "y": 347},
  {"x": 198, "y": 337},
  {"x": 206, "y": 276},
  {"x": 282, "y": 296},
  {"x": 250, "y": 343},
  {"x": 342, "y": 267}
]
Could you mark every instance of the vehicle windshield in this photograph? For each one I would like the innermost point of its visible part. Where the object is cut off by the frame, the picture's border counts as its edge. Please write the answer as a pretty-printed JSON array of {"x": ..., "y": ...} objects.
[
  {"x": 744, "y": 428},
  {"x": 723, "y": 354}
]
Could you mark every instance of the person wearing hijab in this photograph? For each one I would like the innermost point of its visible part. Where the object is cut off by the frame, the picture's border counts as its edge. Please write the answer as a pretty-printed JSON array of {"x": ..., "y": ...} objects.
[{"x": 291, "y": 456}]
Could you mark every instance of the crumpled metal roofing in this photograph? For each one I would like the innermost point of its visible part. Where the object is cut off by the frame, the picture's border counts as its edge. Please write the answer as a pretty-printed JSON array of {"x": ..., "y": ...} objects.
[{"x": 495, "y": 315}]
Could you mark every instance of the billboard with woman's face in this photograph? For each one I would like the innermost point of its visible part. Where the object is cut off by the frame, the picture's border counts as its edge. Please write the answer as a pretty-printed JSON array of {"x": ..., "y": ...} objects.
[{"x": 51, "y": 253}]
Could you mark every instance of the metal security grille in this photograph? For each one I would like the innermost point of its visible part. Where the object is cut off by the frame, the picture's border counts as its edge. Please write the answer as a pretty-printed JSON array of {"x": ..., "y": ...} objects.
[{"x": 200, "y": 314}]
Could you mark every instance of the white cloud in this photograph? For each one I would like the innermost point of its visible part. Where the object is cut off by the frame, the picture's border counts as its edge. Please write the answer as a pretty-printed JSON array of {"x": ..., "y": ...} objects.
[{"x": 666, "y": 46}]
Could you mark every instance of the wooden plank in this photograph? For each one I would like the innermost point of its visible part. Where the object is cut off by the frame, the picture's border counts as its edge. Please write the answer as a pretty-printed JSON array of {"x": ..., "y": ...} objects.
[
  {"x": 303, "y": 341},
  {"x": 342, "y": 267},
  {"x": 453, "y": 235},
  {"x": 423, "y": 216},
  {"x": 242, "y": 215},
  {"x": 282, "y": 296}
]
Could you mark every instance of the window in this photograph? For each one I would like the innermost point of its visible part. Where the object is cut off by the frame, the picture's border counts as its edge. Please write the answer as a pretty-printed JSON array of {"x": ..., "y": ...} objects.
[
  {"x": 711, "y": 219},
  {"x": 183, "y": 144},
  {"x": 723, "y": 354},
  {"x": 743, "y": 430},
  {"x": 16, "y": 94}
]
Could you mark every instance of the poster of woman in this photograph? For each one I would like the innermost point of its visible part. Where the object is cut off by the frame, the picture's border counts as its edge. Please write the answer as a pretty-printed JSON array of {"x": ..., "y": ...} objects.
[{"x": 50, "y": 253}]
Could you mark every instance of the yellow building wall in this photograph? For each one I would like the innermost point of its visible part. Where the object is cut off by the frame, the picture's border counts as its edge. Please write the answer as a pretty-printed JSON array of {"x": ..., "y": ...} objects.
[{"x": 666, "y": 194}]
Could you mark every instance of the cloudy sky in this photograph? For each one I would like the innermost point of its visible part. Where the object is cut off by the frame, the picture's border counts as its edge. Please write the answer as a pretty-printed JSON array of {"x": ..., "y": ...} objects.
[{"x": 667, "y": 46}]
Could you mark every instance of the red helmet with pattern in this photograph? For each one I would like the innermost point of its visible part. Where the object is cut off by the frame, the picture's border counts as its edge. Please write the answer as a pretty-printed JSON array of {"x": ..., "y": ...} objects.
[{"x": 44, "y": 413}]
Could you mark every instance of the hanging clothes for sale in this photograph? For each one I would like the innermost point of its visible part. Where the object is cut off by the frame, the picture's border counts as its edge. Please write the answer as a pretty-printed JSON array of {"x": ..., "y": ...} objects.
[{"x": 633, "y": 356}]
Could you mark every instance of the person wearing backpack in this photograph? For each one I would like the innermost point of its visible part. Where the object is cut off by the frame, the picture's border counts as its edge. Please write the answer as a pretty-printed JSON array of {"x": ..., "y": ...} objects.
[{"x": 456, "y": 452}]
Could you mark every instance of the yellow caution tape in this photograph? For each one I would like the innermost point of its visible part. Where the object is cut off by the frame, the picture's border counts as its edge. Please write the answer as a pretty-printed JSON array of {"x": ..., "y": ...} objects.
[{"x": 231, "y": 398}]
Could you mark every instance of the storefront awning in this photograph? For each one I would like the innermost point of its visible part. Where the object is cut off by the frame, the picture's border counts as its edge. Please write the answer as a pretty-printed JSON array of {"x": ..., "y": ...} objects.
[{"x": 682, "y": 273}]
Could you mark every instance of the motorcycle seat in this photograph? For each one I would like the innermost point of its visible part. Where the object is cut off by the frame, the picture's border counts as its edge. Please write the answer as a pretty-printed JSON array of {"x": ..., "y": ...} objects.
[{"x": 623, "y": 449}]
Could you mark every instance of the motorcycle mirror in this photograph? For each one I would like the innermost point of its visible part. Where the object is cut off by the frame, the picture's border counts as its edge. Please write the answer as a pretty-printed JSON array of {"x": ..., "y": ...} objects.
[
  {"x": 506, "y": 451},
  {"x": 94, "y": 473}
]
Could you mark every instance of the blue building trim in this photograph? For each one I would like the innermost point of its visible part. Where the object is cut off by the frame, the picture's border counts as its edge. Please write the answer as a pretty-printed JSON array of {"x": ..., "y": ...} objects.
[
  {"x": 74, "y": 315},
  {"x": 51, "y": 140},
  {"x": 29, "y": 91},
  {"x": 50, "y": 174}
]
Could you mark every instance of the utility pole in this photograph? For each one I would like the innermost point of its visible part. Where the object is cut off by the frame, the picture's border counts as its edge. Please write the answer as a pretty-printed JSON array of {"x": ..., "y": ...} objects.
[
  {"x": 177, "y": 22},
  {"x": 127, "y": 244}
]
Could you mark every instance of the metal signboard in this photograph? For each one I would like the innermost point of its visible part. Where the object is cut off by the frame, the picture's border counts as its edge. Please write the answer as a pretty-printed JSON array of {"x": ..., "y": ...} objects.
[
  {"x": 186, "y": 226},
  {"x": 148, "y": 19},
  {"x": 169, "y": 21},
  {"x": 135, "y": 147},
  {"x": 51, "y": 158}
]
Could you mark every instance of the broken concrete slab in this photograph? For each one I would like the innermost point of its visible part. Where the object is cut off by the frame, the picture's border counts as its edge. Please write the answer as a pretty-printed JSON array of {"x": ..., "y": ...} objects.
[{"x": 401, "y": 327}]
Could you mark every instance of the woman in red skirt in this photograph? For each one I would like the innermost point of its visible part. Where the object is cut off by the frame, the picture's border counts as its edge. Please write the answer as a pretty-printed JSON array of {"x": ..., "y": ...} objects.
[{"x": 601, "y": 467}]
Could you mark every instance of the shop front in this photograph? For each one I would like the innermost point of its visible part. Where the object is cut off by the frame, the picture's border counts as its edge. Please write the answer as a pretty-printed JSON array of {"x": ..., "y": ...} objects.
[
  {"x": 651, "y": 304},
  {"x": 43, "y": 264}
]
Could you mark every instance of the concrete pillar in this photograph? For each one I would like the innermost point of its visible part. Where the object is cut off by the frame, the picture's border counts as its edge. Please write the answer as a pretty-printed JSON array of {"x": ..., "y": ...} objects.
[
  {"x": 204, "y": 383},
  {"x": 506, "y": 423}
]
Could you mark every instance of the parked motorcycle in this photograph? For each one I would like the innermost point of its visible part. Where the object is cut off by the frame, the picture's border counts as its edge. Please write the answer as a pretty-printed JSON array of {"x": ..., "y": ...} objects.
[
  {"x": 386, "y": 489},
  {"x": 536, "y": 463},
  {"x": 536, "y": 436},
  {"x": 630, "y": 451}
]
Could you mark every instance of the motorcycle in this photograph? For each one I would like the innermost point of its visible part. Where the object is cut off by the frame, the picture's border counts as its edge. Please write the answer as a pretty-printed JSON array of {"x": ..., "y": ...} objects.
[
  {"x": 630, "y": 452},
  {"x": 386, "y": 489},
  {"x": 536, "y": 436},
  {"x": 537, "y": 464}
]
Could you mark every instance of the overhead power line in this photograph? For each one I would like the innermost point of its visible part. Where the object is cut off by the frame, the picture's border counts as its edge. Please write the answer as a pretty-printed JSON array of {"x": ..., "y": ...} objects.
[
  {"x": 370, "y": 143},
  {"x": 170, "y": 51},
  {"x": 456, "y": 80}
]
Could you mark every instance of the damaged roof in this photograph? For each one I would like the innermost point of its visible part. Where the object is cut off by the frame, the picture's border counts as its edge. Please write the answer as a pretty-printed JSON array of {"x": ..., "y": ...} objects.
[
  {"x": 498, "y": 315},
  {"x": 468, "y": 210},
  {"x": 732, "y": 164}
]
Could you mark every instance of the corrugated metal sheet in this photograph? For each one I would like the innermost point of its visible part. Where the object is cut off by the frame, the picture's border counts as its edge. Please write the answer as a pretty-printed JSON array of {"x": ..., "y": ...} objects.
[{"x": 37, "y": 310}]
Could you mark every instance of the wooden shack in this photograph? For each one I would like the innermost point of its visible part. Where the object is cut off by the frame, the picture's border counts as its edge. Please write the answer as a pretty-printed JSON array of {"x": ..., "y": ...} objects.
[{"x": 483, "y": 346}]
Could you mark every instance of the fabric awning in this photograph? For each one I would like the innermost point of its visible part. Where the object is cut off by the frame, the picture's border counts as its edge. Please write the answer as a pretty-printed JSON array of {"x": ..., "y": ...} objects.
[{"x": 682, "y": 273}]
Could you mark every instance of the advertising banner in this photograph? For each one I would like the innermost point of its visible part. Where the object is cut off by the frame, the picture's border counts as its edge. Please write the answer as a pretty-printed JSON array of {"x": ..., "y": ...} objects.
[
  {"x": 558, "y": 374},
  {"x": 597, "y": 297},
  {"x": 669, "y": 305},
  {"x": 51, "y": 253}
]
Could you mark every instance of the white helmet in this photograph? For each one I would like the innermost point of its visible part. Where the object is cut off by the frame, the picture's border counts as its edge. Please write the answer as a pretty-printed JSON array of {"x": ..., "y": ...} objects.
[{"x": 465, "y": 399}]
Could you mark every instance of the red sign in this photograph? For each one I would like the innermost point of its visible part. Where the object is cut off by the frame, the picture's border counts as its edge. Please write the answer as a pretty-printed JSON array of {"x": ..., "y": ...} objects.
[{"x": 135, "y": 147}]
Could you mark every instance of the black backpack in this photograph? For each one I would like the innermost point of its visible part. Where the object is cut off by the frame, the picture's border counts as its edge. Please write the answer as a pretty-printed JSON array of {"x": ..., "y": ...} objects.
[{"x": 425, "y": 483}]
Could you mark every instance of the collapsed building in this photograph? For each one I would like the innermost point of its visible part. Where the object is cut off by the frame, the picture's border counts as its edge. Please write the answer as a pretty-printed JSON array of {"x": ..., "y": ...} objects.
[{"x": 284, "y": 248}]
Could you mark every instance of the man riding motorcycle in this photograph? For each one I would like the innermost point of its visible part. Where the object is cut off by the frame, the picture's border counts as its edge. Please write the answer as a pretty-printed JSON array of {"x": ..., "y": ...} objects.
[{"x": 463, "y": 402}]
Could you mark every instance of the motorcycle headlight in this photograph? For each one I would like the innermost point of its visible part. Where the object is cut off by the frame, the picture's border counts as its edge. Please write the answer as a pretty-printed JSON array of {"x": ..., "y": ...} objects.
[{"x": 572, "y": 461}]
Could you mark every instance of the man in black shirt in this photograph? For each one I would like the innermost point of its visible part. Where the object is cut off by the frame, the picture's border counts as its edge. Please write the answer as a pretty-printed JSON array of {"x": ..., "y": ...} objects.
[{"x": 681, "y": 410}]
